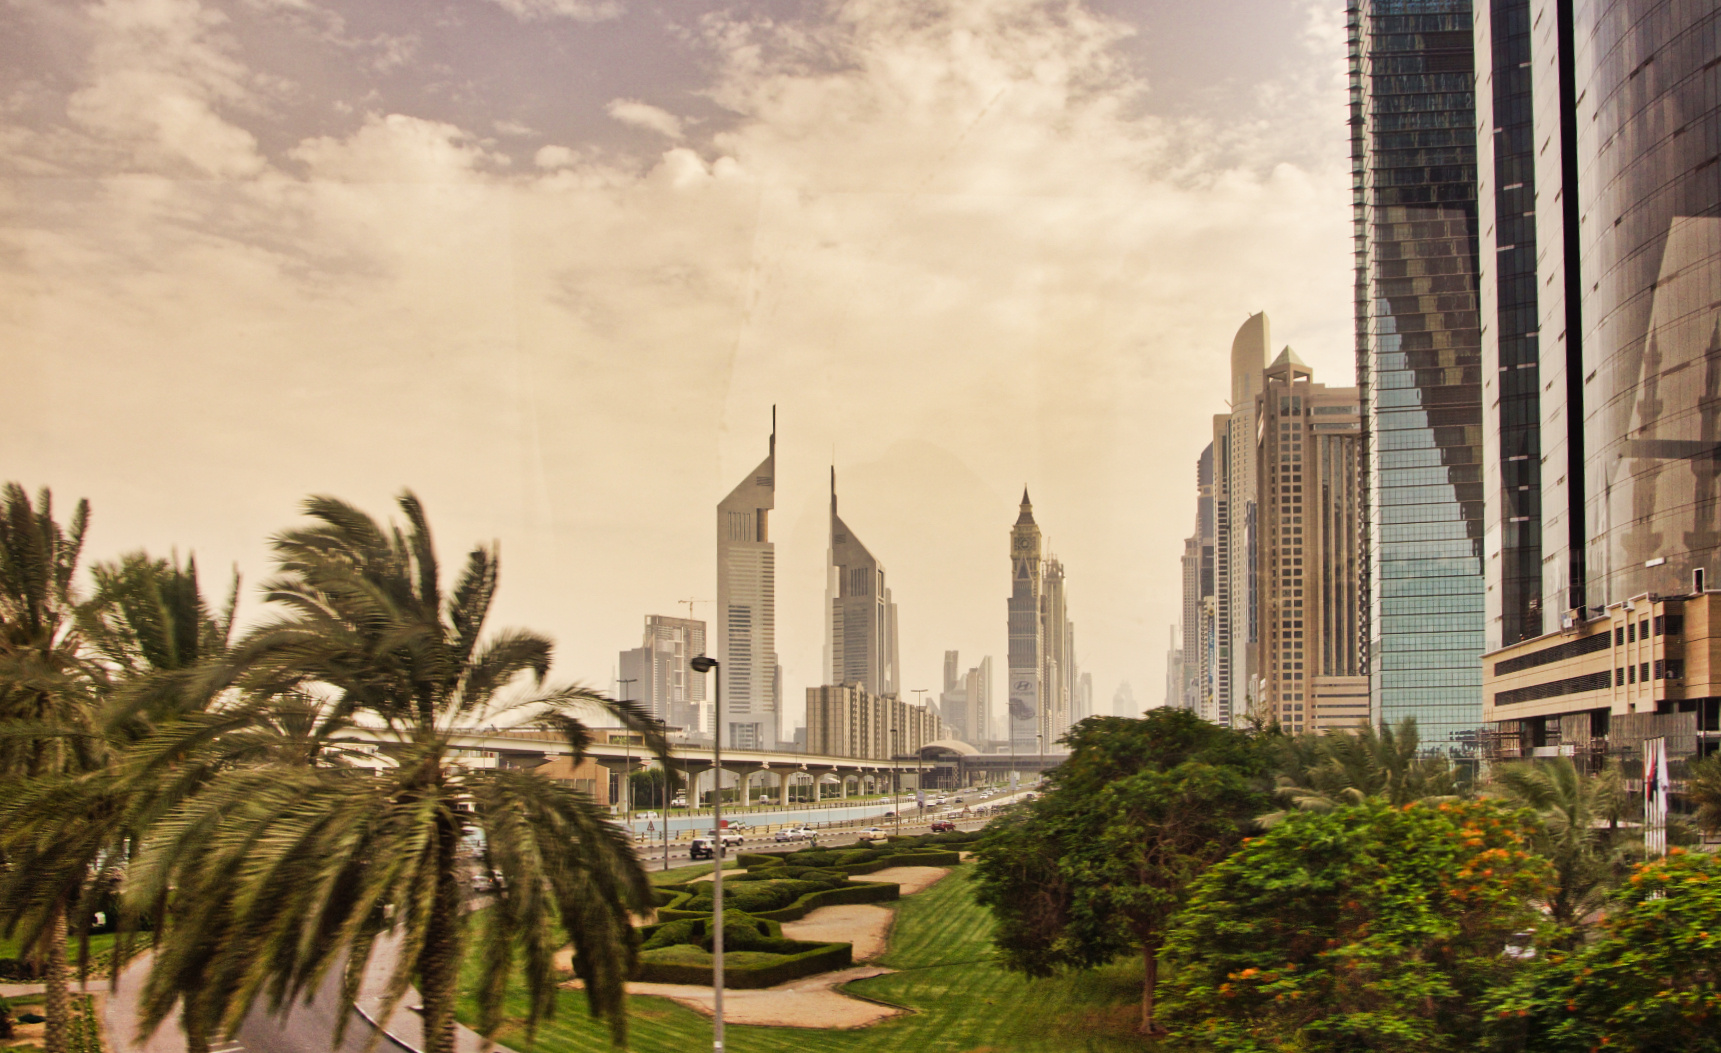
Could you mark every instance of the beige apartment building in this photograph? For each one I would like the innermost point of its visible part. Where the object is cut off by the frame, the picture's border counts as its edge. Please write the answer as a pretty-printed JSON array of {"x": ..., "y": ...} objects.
[
  {"x": 847, "y": 720},
  {"x": 1645, "y": 668},
  {"x": 1308, "y": 591}
]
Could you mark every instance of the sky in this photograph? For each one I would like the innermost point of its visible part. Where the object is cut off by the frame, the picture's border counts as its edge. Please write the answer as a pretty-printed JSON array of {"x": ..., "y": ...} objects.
[{"x": 552, "y": 263}]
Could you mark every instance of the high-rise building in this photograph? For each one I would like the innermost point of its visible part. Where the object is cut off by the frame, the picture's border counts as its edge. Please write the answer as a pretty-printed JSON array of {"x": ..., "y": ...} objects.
[
  {"x": 1309, "y": 594},
  {"x": 1061, "y": 676},
  {"x": 1200, "y": 669},
  {"x": 1043, "y": 673},
  {"x": 1084, "y": 697},
  {"x": 847, "y": 720},
  {"x": 1174, "y": 680},
  {"x": 747, "y": 609},
  {"x": 1027, "y": 636},
  {"x": 656, "y": 673},
  {"x": 1418, "y": 349},
  {"x": 966, "y": 701},
  {"x": 860, "y": 616},
  {"x": 1602, "y": 220},
  {"x": 1123, "y": 701},
  {"x": 1224, "y": 677}
]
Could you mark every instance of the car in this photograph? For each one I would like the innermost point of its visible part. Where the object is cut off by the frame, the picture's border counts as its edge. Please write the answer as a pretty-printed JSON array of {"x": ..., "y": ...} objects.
[
  {"x": 961, "y": 800},
  {"x": 731, "y": 836},
  {"x": 646, "y": 815},
  {"x": 701, "y": 848},
  {"x": 793, "y": 833},
  {"x": 890, "y": 815},
  {"x": 943, "y": 826},
  {"x": 678, "y": 802}
]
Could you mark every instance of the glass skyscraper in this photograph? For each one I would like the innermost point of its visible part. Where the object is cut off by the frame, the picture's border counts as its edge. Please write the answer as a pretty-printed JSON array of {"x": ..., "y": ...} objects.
[{"x": 1418, "y": 339}]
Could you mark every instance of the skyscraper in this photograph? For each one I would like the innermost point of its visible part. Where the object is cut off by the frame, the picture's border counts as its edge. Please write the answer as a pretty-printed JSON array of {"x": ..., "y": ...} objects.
[
  {"x": 747, "y": 609},
  {"x": 1418, "y": 343},
  {"x": 656, "y": 673},
  {"x": 1200, "y": 670},
  {"x": 1309, "y": 591},
  {"x": 1026, "y": 719},
  {"x": 965, "y": 703},
  {"x": 1228, "y": 507},
  {"x": 1044, "y": 680},
  {"x": 1605, "y": 414},
  {"x": 860, "y": 616}
]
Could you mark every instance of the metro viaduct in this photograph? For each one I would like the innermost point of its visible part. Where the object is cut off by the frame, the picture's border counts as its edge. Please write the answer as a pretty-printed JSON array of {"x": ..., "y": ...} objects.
[{"x": 944, "y": 763}]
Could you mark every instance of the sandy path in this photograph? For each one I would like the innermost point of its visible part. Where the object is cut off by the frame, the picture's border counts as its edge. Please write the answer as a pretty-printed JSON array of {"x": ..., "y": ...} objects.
[
  {"x": 911, "y": 879},
  {"x": 726, "y": 873},
  {"x": 865, "y": 925},
  {"x": 811, "y": 1002}
]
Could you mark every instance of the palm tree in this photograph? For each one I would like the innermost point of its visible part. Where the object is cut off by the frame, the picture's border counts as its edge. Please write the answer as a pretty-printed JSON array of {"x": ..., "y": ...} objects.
[
  {"x": 279, "y": 871},
  {"x": 1579, "y": 832},
  {"x": 47, "y": 718},
  {"x": 68, "y": 834},
  {"x": 1703, "y": 789},
  {"x": 1321, "y": 772}
]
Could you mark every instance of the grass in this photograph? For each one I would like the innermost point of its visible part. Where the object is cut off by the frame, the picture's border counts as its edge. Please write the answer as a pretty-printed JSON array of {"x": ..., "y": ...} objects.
[
  {"x": 677, "y": 875},
  {"x": 99, "y": 943},
  {"x": 962, "y": 1001}
]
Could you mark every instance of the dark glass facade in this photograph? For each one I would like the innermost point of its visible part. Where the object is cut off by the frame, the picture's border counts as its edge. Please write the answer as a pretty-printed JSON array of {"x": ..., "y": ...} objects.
[
  {"x": 1648, "y": 156},
  {"x": 1511, "y": 341},
  {"x": 1413, "y": 134}
]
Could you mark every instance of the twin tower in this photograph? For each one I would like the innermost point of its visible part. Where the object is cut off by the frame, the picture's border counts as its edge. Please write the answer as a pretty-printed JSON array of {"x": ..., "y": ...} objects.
[
  {"x": 1047, "y": 693},
  {"x": 860, "y": 616}
]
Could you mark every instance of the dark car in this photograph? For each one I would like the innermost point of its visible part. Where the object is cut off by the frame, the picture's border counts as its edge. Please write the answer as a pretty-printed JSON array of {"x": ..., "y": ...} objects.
[{"x": 943, "y": 826}]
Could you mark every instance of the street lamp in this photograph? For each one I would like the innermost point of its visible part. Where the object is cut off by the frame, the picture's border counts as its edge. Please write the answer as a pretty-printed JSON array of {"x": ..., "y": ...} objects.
[
  {"x": 627, "y": 779},
  {"x": 703, "y": 664}
]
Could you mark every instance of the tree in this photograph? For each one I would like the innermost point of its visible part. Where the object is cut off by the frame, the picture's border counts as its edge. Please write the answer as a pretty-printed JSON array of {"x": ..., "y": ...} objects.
[
  {"x": 1098, "y": 865},
  {"x": 1648, "y": 980},
  {"x": 1367, "y": 927},
  {"x": 1703, "y": 789},
  {"x": 48, "y": 706},
  {"x": 1337, "y": 768},
  {"x": 278, "y": 872},
  {"x": 69, "y": 834},
  {"x": 1579, "y": 832}
]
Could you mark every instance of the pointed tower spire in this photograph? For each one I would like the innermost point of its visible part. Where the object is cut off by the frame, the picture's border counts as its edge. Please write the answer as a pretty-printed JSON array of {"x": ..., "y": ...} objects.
[
  {"x": 1027, "y": 510},
  {"x": 833, "y": 488}
]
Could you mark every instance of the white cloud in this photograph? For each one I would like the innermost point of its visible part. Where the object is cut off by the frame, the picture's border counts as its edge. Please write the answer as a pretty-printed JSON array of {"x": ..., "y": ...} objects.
[
  {"x": 644, "y": 115},
  {"x": 578, "y": 10},
  {"x": 163, "y": 73},
  {"x": 394, "y": 149}
]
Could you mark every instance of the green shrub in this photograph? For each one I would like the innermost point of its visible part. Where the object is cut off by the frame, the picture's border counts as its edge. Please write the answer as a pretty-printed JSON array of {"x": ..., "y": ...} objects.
[
  {"x": 742, "y": 970},
  {"x": 848, "y": 892}
]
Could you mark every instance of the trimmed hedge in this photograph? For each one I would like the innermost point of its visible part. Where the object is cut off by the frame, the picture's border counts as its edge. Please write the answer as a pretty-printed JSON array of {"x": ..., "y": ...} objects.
[
  {"x": 681, "y": 964},
  {"x": 857, "y": 892}
]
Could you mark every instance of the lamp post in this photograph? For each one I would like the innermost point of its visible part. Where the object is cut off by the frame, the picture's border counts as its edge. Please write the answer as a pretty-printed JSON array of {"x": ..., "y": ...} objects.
[
  {"x": 703, "y": 664},
  {"x": 627, "y": 778}
]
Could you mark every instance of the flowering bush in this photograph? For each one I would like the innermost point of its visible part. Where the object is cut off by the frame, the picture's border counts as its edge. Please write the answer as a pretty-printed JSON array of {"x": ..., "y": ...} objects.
[
  {"x": 1375, "y": 927},
  {"x": 1648, "y": 980}
]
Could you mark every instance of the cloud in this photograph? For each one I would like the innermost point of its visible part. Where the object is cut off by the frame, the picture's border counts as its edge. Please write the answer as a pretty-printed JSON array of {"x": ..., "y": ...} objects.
[
  {"x": 394, "y": 149},
  {"x": 163, "y": 73},
  {"x": 577, "y": 10},
  {"x": 645, "y": 115}
]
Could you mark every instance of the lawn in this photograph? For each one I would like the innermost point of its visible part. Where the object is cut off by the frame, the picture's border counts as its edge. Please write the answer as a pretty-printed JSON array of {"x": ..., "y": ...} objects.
[
  {"x": 99, "y": 943},
  {"x": 962, "y": 1001}
]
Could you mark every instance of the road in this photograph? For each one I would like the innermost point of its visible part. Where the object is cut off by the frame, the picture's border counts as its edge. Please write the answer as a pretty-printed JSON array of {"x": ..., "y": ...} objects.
[{"x": 914, "y": 821}]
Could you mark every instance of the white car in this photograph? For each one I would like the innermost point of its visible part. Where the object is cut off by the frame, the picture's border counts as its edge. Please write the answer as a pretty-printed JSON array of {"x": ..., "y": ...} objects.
[
  {"x": 646, "y": 815},
  {"x": 794, "y": 833},
  {"x": 872, "y": 831}
]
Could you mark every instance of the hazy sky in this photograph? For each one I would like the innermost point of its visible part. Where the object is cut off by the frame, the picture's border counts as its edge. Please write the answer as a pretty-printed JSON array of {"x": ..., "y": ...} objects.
[{"x": 550, "y": 263}]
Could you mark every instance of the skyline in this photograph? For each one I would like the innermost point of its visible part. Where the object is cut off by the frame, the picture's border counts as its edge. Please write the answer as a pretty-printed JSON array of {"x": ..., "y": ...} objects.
[{"x": 1005, "y": 245}]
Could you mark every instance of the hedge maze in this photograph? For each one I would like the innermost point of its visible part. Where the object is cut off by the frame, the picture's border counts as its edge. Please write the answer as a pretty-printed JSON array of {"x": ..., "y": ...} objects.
[{"x": 774, "y": 889}]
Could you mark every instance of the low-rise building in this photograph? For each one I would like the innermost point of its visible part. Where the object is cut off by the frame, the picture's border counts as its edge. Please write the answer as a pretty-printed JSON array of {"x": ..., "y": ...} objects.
[{"x": 1646, "y": 668}]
